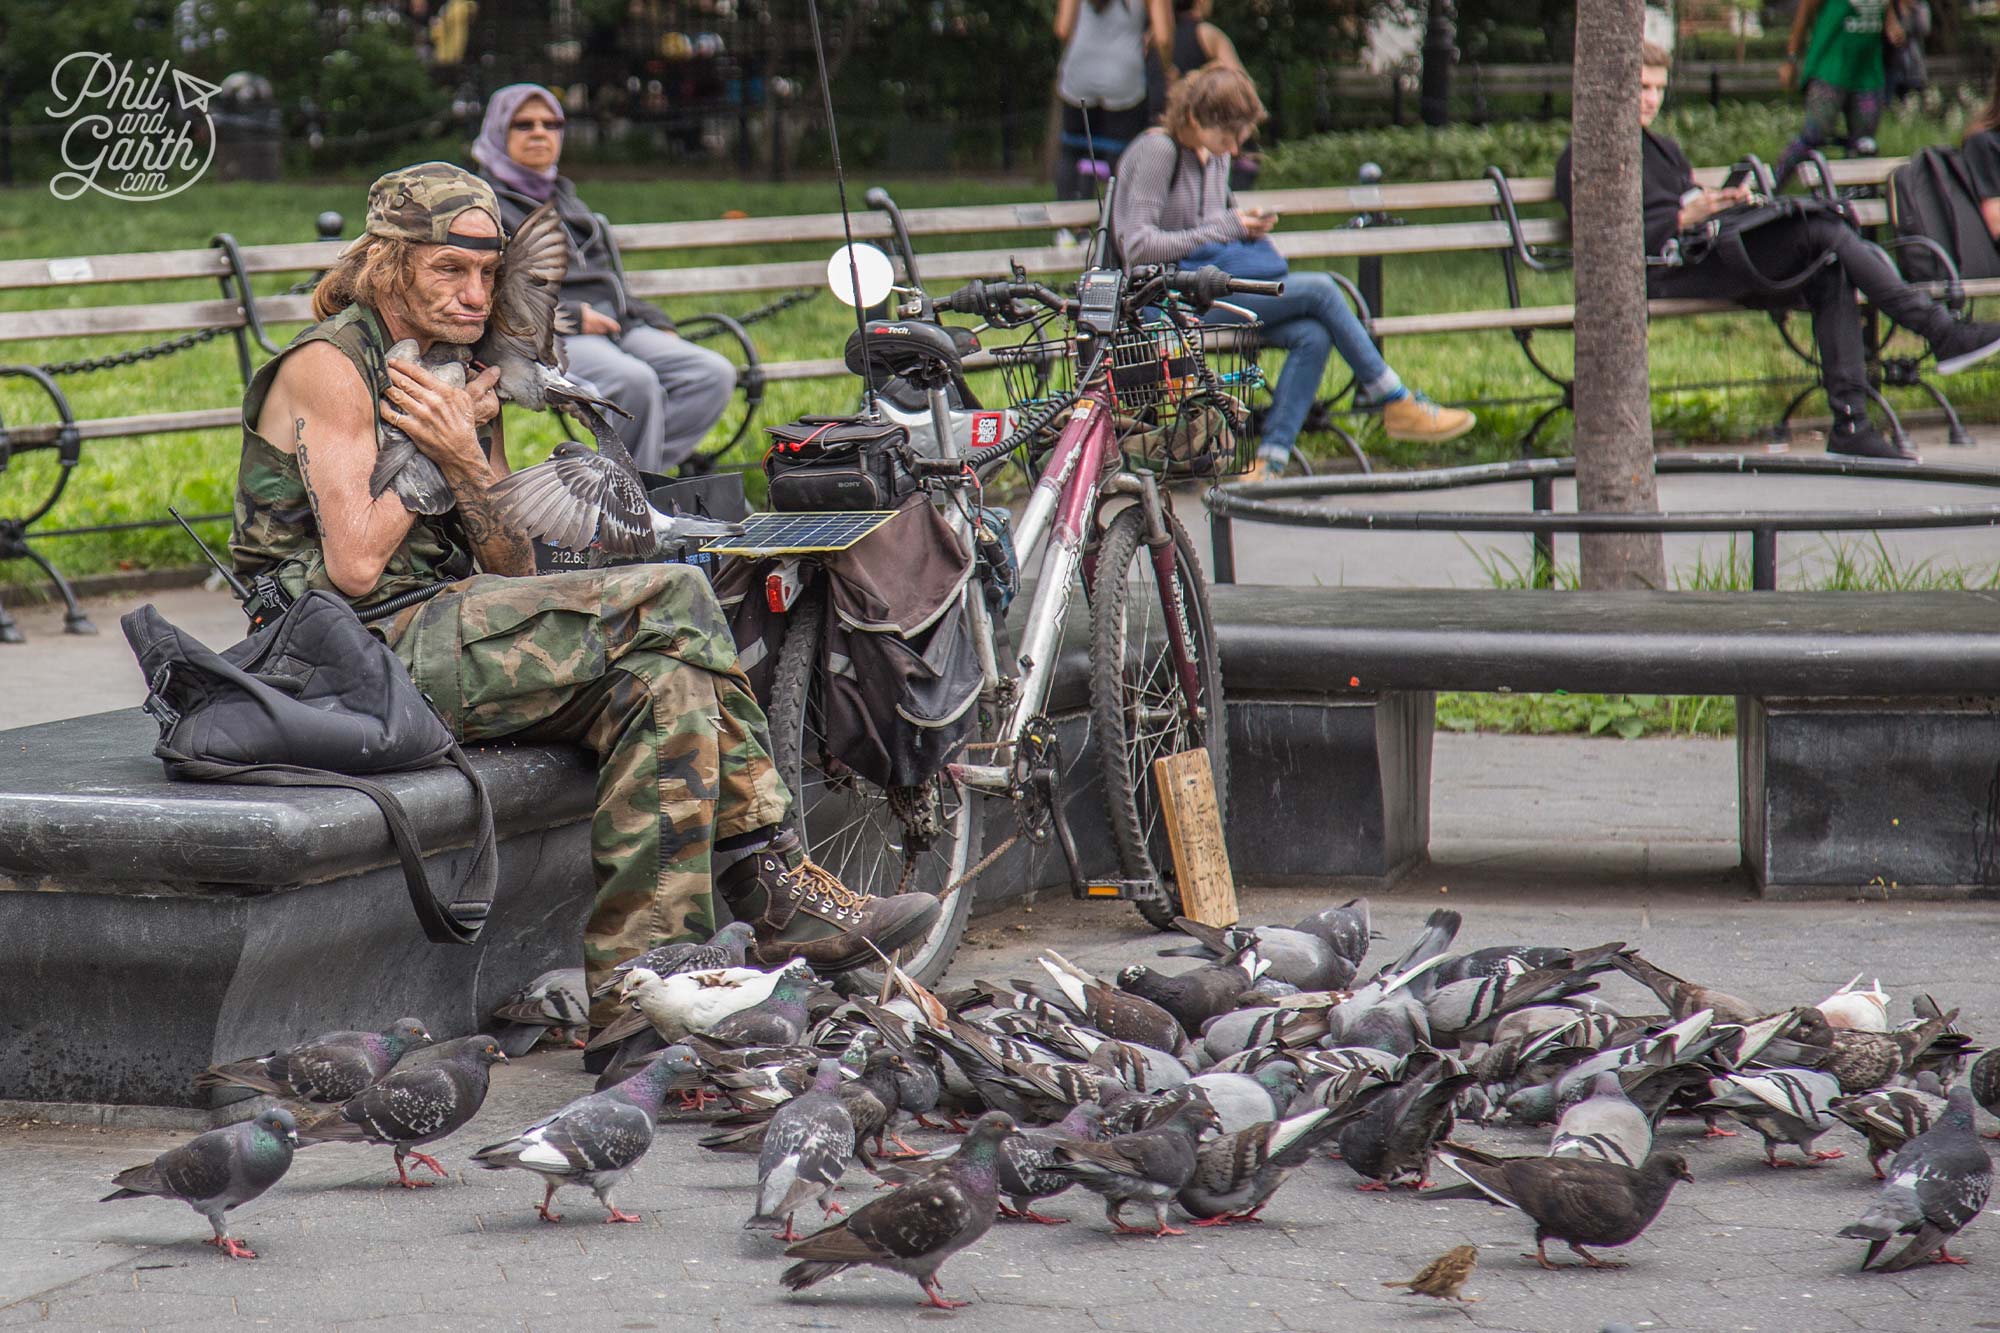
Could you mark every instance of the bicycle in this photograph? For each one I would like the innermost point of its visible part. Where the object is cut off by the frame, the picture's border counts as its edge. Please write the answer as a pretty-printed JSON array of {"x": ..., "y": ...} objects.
[{"x": 1146, "y": 404}]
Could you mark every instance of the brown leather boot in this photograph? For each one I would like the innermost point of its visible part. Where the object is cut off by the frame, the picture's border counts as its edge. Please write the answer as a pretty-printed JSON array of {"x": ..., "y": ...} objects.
[{"x": 800, "y": 910}]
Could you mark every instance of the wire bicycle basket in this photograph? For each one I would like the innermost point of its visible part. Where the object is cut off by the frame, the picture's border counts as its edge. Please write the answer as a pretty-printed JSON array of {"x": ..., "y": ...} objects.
[
  {"x": 1183, "y": 396},
  {"x": 1183, "y": 392}
]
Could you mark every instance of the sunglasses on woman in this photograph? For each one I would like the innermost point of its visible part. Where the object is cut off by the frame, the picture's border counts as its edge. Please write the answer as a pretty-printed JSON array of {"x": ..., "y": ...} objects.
[{"x": 526, "y": 124}]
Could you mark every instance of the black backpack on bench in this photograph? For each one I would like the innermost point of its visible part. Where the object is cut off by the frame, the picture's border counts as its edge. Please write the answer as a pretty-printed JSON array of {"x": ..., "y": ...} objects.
[
  {"x": 310, "y": 700},
  {"x": 1932, "y": 195}
]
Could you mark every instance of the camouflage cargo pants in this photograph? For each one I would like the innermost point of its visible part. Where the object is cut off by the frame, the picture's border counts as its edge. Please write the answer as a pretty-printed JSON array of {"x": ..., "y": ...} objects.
[{"x": 635, "y": 663}]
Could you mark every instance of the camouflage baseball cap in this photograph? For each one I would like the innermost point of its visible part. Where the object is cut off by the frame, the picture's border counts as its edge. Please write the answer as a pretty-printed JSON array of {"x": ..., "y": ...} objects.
[{"x": 419, "y": 203}]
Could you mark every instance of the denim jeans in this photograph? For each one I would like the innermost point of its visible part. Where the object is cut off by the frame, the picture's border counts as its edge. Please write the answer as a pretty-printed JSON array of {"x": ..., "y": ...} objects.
[{"x": 1310, "y": 320}]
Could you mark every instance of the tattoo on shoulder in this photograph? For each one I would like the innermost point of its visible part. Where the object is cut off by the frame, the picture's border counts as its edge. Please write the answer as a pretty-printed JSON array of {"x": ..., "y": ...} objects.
[{"x": 305, "y": 469}]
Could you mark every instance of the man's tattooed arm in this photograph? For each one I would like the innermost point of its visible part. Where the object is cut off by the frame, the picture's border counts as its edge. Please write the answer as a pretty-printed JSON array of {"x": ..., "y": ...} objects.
[
  {"x": 305, "y": 471},
  {"x": 500, "y": 549}
]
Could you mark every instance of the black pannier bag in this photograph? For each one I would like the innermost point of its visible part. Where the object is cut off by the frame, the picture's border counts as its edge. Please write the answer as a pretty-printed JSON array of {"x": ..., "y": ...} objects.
[
  {"x": 825, "y": 463},
  {"x": 1932, "y": 195},
  {"x": 310, "y": 700},
  {"x": 901, "y": 669},
  {"x": 898, "y": 668}
]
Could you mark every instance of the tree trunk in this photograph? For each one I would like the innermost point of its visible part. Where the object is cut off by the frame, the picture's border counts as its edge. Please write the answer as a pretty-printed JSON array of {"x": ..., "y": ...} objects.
[
  {"x": 1439, "y": 50},
  {"x": 1614, "y": 417}
]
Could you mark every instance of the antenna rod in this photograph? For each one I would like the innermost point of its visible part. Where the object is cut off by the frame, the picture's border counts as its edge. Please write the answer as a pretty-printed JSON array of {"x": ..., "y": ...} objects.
[
  {"x": 846, "y": 223},
  {"x": 228, "y": 575}
]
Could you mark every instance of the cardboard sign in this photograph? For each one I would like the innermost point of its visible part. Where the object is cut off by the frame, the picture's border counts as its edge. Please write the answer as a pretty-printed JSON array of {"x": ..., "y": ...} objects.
[{"x": 1194, "y": 826}]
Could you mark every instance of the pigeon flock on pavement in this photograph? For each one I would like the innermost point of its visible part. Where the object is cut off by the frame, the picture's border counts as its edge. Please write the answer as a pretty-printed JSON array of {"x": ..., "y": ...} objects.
[{"x": 1190, "y": 1097}]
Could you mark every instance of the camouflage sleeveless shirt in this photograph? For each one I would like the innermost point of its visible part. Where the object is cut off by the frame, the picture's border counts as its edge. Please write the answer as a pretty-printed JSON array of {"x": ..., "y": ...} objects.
[{"x": 275, "y": 531}]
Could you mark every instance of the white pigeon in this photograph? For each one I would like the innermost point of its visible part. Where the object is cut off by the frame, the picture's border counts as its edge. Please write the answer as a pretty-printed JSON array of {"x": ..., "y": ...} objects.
[
  {"x": 1857, "y": 1010},
  {"x": 697, "y": 1001}
]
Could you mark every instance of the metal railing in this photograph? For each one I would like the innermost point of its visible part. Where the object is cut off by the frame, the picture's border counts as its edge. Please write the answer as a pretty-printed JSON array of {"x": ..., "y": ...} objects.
[{"x": 1296, "y": 502}]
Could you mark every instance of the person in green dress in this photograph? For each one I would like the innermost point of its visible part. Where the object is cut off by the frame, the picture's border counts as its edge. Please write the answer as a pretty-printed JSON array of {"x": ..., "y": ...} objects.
[{"x": 1842, "y": 72}]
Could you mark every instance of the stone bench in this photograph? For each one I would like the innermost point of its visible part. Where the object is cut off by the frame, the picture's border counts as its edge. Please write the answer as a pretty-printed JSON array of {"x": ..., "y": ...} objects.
[
  {"x": 149, "y": 928},
  {"x": 1868, "y": 724}
]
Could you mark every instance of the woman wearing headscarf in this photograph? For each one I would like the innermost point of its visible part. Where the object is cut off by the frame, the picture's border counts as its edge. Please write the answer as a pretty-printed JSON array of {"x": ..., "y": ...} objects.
[{"x": 625, "y": 348}]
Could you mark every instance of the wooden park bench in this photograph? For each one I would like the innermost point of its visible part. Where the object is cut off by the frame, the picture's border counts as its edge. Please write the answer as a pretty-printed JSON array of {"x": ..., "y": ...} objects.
[{"x": 1375, "y": 222}]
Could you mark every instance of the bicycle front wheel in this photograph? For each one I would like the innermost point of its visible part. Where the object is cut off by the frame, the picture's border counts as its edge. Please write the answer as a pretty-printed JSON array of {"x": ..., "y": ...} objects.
[
  {"x": 910, "y": 840},
  {"x": 1139, "y": 709}
]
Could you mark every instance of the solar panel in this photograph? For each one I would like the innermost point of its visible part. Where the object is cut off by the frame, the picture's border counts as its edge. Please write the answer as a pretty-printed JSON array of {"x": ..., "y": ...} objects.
[{"x": 796, "y": 534}]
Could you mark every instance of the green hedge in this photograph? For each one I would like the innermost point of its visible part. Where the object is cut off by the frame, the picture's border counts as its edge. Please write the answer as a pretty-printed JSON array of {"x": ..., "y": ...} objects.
[{"x": 1710, "y": 136}]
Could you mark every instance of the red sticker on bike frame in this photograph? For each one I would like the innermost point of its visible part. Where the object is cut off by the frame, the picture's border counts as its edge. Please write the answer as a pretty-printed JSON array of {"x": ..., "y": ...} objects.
[{"x": 987, "y": 428}]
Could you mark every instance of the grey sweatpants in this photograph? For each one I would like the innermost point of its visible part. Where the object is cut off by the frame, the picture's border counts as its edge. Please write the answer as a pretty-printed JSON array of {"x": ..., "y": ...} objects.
[{"x": 674, "y": 389}]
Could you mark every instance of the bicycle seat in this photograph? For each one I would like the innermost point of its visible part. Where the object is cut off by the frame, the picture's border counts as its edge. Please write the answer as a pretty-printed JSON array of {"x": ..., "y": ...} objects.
[{"x": 911, "y": 348}]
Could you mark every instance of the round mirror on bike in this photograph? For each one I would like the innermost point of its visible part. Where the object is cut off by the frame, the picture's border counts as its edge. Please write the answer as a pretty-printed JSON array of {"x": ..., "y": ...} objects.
[{"x": 877, "y": 275}]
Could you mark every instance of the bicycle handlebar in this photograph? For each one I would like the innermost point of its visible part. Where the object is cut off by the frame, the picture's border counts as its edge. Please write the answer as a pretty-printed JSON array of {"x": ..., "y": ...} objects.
[{"x": 997, "y": 301}]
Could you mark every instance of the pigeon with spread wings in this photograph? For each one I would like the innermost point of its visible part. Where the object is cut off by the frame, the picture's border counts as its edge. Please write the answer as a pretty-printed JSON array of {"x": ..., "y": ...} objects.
[{"x": 577, "y": 498}]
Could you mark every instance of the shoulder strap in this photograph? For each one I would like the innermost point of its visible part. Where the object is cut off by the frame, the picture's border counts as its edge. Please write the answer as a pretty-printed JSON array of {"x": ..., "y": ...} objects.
[{"x": 457, "y": 922}]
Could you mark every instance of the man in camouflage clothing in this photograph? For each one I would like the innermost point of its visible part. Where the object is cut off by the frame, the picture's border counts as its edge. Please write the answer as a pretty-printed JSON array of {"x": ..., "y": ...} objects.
[{"x": 635, "y": 663}]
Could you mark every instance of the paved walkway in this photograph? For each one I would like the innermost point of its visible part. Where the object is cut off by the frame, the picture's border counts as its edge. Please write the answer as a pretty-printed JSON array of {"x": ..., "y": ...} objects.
[{"x": 1742, "y": 1248}]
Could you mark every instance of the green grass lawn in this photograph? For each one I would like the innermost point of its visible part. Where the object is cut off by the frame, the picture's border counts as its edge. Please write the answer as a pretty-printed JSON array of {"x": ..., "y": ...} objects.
[{"x": 126, "y": 480}]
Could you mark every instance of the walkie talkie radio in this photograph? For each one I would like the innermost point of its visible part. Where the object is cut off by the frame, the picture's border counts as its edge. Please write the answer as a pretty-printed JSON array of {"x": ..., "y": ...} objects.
[
  {"x": 263, "y": 601},
  {"x": 1098, "y": 296}
]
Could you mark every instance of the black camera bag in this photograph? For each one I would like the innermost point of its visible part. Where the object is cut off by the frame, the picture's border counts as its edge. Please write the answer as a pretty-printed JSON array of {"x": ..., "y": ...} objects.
[{"x": 819, "y": 463}]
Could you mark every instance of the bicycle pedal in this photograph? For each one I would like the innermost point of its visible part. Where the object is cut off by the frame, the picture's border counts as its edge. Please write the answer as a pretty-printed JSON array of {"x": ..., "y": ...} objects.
[{"x": 1105, "y": 889}]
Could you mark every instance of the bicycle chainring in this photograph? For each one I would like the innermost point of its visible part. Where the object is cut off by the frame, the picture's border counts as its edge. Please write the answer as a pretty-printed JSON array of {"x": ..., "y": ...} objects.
[{"x": 1037, "y": 749}]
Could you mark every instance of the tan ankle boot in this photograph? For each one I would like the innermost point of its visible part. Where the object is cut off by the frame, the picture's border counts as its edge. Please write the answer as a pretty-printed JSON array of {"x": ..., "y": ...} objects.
[{"x": 1415, "y": 417}]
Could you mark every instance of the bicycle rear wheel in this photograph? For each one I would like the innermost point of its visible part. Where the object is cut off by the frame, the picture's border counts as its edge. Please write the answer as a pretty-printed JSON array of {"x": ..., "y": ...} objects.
[
  {"x": 911, "y": 840},
  {"x": 1138, "y": 708}
]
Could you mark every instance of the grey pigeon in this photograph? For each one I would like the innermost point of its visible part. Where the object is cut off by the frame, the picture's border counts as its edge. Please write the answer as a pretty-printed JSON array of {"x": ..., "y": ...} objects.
[
  {"x": 1577, "y": 1200},
  {"x": 579, "y": 499},
  {"x": 1937, "y": 1183},
  {"x": 1243, "y": 1100},
  {"x": 778, "y": 1020},
  {"x": 1148, "y": 1166},
  {"x": 1890, "y": 1117},
  {"x": 1783, "y": 1105},
  {"x": 1389, "y": 1131},
  {"x": 1985, "y": 1083},
  {"x": 1606, "y": 1125},
  {"x": 1297, "y": 957},
  {"x": 520, "y": 336},
  {"x": 1465, "y": 1010},
  {"x": 415, "y": 1105},
  {"x": 1683, "y": 997},
  {"x": 593, "y": 1141},
  {"x": 1864, "y": 1061},
  {"x": 399, "y": 464},
  {"x": 1439, "y": 930},
  {"x": 330, "y": 1068},
  {"x": 1195, "y": 997},
  {"x": 725, "y": 948},
  {"x": 1502, "y": 960},
  {"x": 1024, "y": 1161},
  {"x": 1118, "y": 1014},
  {"x": 1252, "y": 1029},
  {"x": 1236, "y": 1173},
  {"x": 806, "y": 1149},
  {"x": 217, "y": 1171},
  {"x": 553, "y": 1001},
  {"x": 916, "y": 1228},
  {"x": 1347, "y": 928}
]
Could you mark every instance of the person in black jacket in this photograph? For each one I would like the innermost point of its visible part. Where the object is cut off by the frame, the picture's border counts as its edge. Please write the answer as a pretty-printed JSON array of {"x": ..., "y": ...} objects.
[
  {"x": 1677, "y": 212},
  {"x": 625, "y": 349}
]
